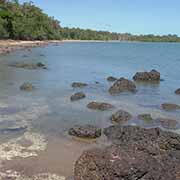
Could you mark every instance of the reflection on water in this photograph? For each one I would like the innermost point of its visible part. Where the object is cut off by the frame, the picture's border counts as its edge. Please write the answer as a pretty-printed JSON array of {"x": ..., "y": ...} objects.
[{"x": 48, "y": 110}]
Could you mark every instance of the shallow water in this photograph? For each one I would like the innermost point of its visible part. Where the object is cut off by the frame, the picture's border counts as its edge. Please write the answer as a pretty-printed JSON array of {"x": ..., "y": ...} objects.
[{"x": 48, "y": 110}]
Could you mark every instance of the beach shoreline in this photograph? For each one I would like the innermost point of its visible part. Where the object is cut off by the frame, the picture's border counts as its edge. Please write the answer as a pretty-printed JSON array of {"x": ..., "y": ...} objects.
[{"x": 8, "y": 46}]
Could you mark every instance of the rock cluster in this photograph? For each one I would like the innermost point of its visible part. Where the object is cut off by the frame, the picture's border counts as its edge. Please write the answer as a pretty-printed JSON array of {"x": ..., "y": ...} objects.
[
  {"x": 79, "y": 85},
  {"x": 111, "y": 79},
  {"x": 121, "y": 116},
  {"x": 177, "y": 91},
  {"x": 85, "y": 131},
  {"x": 27, "y": 87},
  {"x": 100, "y": 106},
  {"x": 170, "y": 106},
  {"x": 122, "y": 85},
  {"x": 153, "y": 75},
  {"x": 78, "y": 96},
  {"x": 29, "y": 66}
]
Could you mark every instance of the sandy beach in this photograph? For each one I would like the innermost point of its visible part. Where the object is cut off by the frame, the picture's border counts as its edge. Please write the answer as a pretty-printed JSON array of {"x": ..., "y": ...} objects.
[{"x": 7, "y": 46}]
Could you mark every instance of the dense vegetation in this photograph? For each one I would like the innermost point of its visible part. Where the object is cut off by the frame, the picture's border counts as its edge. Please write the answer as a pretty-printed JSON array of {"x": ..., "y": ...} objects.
[
  {"x": 28, "y": 22},
  {"x": 76, "y": 34}
]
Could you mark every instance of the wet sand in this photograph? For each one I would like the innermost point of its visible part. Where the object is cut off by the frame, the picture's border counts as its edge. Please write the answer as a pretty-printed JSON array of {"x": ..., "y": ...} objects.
[{"x": 58, "y": 158}]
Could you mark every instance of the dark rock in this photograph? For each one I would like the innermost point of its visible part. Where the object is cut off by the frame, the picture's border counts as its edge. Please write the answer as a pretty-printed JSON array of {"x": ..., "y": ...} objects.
[
  {"x": 29, "y": 66},
  {"x": 86, "y": 131},
  {"x": 150, "y": 140},
  {"x": 122, "y": 85},
  {"x": 121, "y": 116},
  {"x": 168, "y": 123},
  {"x": 41, "y": 65},
  {"x": 25, "y": 55},
  {"x": 177, "y": 91},
  {"x": 111, "y": 79},
  {"x": 136, "y": 154},
  {"x": 78, "y": 96},
  {"x": 27, "y": 87},
  {"x": 145, "y": 117},
  {"x": 79, "y": 85},
  {"x": 147, "y": 76},
  {"x": 99, "y": 106},
  {"x": 114, "y": 163},
  {"x": 170, "y": 106}
]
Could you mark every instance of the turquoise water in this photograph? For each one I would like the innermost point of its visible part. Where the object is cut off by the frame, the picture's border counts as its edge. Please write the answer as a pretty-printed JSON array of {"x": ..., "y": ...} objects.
[{"x": 48, "y": 108}]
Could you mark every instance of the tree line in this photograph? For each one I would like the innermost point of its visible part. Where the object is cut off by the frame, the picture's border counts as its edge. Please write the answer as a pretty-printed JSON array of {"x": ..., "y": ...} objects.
[{"x": 27, "y": 22}]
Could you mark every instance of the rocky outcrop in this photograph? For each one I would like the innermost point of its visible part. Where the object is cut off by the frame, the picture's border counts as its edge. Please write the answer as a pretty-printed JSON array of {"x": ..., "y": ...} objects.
[
  {"x": 78, "y": 96},
  {"x": 111, "y": 79},
  {"x": 147, "y": 76},
  {"x": 136, "y": 153},
  {"x": 121, "y": 116},
  {"x": 27, "y": 87},
  {"x": 29, "y": 66},
  {"x": 85, "y": 131},
  {"x": 79, "y": 85},
  {"x": 170, "y": 106},
  {"x": 100, "y": 106},
  {"x": 177, "y": 91},
  {"x": 122, "y": 85}
]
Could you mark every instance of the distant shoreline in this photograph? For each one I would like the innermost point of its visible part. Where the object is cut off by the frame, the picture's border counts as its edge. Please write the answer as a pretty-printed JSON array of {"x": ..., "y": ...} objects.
[
  {"x": 116, "y": 41},
  {"x": 66, "y": 40},
  {"x": 8, "y": 46}
]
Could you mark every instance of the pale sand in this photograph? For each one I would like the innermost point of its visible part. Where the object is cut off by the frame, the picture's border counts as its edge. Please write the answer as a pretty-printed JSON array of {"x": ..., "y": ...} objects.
[{"x": 7, "y": 46}]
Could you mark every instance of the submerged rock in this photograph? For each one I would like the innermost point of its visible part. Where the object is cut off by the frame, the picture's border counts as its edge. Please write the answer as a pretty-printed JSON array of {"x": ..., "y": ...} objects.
[
  {"x": 170, "y": 106},
  {"x": 145, "y": 117},
  {"x": 111, "y": 79},
  {"x": 29, "y": 66},
  {"x": 27, "y": 87},
  {"x": 121, "y": 116},
  {"x": 136, "y": 153},
  {"x": 41, "y": 65},
  {"x": 177, "y": 91},
  {"x": 78, "y": 96},
  {"x": 85, "y": 131},
  {"x": 153, "y": 75},
  {"x": 168, "y": 123},
  {"x": 122, "y": 85},
  {"x": 79, "y": 85},
  {"x": 100, "y": 106}
]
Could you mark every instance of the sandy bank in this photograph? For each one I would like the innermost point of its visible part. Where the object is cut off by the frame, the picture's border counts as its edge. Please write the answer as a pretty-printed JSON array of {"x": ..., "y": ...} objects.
[{"x": 7, "y": 46}]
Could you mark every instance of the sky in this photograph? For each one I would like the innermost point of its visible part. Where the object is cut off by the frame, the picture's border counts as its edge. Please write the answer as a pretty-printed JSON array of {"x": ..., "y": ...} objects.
[{"x": 133, "y": 16}]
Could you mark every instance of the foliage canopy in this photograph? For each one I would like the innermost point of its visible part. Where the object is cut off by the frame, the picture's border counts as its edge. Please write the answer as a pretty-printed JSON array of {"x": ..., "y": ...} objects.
[{"x": 28, "y": 22}]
